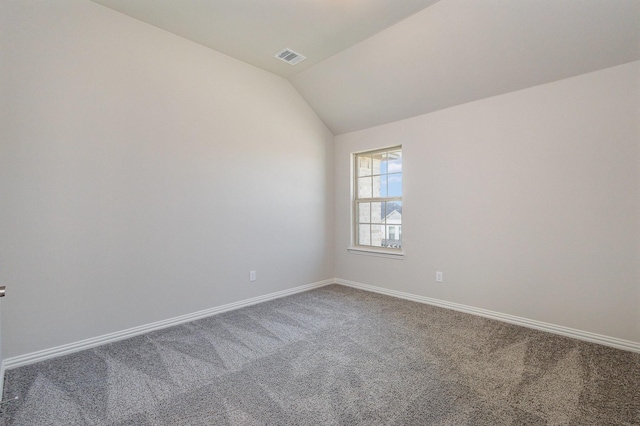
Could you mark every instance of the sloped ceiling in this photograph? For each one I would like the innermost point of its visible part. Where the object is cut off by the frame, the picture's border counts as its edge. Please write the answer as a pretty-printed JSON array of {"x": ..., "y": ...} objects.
[
  {"x": 254, "y": 30},
  {"x": 458, "y": 51},
  {"x": 378, "y": 61}
]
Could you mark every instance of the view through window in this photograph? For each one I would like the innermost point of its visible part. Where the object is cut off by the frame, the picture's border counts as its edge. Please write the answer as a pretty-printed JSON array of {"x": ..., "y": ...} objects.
[{"x": 378, "y": 198}]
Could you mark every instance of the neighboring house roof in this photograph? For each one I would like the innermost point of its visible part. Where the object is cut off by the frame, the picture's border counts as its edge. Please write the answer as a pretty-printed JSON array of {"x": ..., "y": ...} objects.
[{"x": 395, "y": 217}]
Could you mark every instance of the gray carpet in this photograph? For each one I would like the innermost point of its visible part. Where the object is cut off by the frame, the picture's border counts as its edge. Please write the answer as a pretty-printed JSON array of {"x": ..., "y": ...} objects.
[{"x": 333, "y": 356}]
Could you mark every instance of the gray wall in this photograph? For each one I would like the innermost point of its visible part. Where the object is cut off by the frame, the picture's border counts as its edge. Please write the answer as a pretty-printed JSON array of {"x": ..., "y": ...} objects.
[
  {"x": 143, "y": 176},
  {"x": 528, "y": 202}
]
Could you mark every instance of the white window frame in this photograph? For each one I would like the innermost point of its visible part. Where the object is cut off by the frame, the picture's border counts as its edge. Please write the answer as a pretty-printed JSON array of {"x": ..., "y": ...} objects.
[{"x": 354, "y": 248}]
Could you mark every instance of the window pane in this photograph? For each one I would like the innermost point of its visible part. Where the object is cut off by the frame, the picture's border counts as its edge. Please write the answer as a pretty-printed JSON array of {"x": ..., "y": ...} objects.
[
  {"x": 395, "y": 185},
  {"x": 377, "y": 212},
  {"x": 394, "y": 236},
  {"x": 364, "y": 235},
  {"x": 394, "y": 212},
  {"x": 364, "y": 212},
  {"x": 364, "y": 187},
  {"x": 395, "y": 162},
  {"x": 383, "y": 186},
  {"x": 377, "y": 235},
  {"x": 364, "y": 166},
  {"x": 378, "y": 198},
  {"x": 377, "y": 190},
  {"x": 380, "y": 186},
  {"x": 379, "y": 163}
]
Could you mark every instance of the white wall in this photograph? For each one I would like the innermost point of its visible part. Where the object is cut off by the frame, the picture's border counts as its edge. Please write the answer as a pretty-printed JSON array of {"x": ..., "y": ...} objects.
[
  {"x": 143, "y": 176},
  {"x": 529, "y": 203}
]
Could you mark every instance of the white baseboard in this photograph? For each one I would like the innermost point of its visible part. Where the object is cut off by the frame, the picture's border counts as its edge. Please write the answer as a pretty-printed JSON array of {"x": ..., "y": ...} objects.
[
  {"x": 42, "y": 355},
  {"x": 538, "y": 325},
  {"x": 1, "y": 380}
]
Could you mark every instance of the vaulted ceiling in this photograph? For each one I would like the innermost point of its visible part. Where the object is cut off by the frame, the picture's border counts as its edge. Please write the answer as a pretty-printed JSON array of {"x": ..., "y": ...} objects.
[{"x": 371, "y": 62}]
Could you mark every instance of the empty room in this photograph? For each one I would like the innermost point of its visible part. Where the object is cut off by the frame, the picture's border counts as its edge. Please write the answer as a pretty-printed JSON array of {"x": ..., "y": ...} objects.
[{"x": 320, "y": 212}]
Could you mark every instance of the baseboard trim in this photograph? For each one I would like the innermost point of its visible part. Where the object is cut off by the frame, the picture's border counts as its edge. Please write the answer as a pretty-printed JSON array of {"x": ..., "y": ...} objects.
[
  {"x": 538, "y": 325},
  {"x": 1, "y": 380},
  {"x": 57, "y": 351}
]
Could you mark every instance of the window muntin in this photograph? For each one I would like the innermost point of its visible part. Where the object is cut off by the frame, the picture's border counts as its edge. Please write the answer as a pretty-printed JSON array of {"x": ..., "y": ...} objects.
[{"x": 378, "y": 199}]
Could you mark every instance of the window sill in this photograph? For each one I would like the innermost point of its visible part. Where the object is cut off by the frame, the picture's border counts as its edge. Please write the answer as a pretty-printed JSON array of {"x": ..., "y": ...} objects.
[{"x": 389, "y": 254}]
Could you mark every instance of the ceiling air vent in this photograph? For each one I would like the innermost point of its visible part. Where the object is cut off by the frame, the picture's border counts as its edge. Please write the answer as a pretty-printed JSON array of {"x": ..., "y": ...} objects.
[{"x": 289, "y": 56}]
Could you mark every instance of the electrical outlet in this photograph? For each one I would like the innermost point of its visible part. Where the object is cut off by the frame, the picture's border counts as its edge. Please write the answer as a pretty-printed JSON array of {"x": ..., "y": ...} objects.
[
  {"x": 252, "y": 275},
  {"x": 439, "y": 277}
]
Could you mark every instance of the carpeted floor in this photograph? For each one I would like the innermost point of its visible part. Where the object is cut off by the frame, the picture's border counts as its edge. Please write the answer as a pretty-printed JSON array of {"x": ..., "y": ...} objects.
[{"x": 333, "y": 356}]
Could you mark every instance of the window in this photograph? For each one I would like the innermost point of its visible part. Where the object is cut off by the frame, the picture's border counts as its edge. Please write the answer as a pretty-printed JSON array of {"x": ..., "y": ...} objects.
[{"x": 378, "y": 200}]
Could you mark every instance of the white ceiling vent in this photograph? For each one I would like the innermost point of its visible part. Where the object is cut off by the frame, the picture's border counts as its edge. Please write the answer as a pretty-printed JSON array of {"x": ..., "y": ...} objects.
[{"x": 289, "y": 56}]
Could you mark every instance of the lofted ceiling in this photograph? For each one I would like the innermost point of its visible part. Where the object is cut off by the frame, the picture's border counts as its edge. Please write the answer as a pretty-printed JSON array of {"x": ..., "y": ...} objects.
[
  {"x": 371, "y": 62},
  {"x": 254, "y": 30}
]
